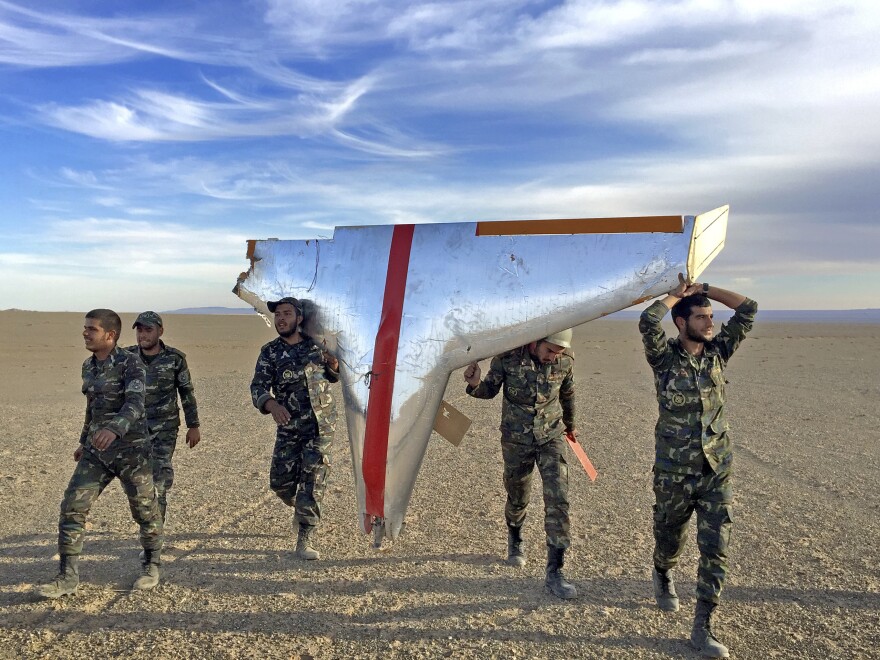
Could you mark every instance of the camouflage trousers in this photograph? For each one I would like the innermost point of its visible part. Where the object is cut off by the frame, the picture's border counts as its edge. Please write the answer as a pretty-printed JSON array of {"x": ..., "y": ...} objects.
[
  {"x": 91, "y": 476},
  {"x": 677, "y": 496},
  {"x": 162, "y": 445},
  {"x": 519, "y": 465},
  {"x": 299, "y": 473}
]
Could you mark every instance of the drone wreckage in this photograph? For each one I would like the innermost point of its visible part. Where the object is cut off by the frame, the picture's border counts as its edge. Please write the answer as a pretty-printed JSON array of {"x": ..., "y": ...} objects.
[{"x": 403, "y": 306}]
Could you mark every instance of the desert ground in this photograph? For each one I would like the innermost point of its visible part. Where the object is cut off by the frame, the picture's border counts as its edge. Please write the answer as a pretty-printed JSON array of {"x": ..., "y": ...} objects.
[{"x": 805, "y": 570}]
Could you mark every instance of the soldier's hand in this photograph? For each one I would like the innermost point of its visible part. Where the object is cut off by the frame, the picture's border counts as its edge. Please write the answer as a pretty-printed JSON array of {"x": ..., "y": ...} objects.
[
  {"x": 680, "y": 289},
  {"x": 685, "y": 288},
  {"x": 78, "y": 454},
  {"x": 279, "y": 413},
  {"x": 103, "y": 439},
  {"x": 472, "y": 374},
  {"x": 331, "y": 361},
  {"x": 193, "y": 437}
]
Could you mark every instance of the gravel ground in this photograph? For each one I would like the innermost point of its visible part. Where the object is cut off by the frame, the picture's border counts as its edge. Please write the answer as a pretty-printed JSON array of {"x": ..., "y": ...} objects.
[{"x": 805, "y": 574}]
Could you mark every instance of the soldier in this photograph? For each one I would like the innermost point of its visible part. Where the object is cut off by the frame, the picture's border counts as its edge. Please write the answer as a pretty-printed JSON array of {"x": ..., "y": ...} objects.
[
  {"x": 292, "y": 383},
  {"x": 113, "y": 444},
  {"x": 537, "y": 411},
  {"x": 167, "y": 376},
  {"x": 693, "y": 454}
]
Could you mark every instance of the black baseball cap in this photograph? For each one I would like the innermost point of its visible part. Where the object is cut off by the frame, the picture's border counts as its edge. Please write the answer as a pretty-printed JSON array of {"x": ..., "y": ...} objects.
[
  {"x": 148, "y": 319},
  {"x": 287, "y": 300}
]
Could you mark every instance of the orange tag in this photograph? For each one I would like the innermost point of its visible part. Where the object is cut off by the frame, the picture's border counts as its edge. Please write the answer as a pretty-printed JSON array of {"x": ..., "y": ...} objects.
[{"x": 581, "y": 456}]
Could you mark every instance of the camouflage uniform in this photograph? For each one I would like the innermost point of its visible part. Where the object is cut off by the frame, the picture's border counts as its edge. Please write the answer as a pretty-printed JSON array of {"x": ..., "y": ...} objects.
[
  {"x": 299, "y": 378},
  {"x": 167, "y": 376},
  {"x": 114, "y": 392},
  {"x": 537, "y": 409},
  {"x": 693, "y": 456}
]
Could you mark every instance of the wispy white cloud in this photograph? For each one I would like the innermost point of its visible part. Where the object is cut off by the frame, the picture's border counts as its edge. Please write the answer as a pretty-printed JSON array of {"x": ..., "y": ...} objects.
[
  {"x": 322, "y": 27},
  {"x": 150, "y": 115},
  {"x": 127, "y": 264},
  {"x": 50, "y": 37},
  {"x": 153, "y": 116},
  {"x": 83, "y": 178},
  {"x": 690, "y": 54},
  {"x": 46, "y": 45},
  {"x": 312, "y": 114},
  {"x": 40, "y": 38},
  {"x": 119, "y": 243},
  {"x": 18, "y": 259}
]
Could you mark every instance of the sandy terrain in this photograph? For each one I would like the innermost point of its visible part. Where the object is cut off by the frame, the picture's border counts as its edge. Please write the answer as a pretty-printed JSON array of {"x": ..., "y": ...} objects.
[{"x": 805, "y": 579}]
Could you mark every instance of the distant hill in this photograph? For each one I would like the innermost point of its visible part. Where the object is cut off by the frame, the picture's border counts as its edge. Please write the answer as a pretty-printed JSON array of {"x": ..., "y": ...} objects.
[
  {"x": 211, "y": 310},
  {"x": 721, "y": 313}
]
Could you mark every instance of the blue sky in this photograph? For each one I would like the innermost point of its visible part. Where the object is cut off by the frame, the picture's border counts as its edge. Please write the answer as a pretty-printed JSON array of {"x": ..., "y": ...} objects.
[{"x": 141, "y": 144}]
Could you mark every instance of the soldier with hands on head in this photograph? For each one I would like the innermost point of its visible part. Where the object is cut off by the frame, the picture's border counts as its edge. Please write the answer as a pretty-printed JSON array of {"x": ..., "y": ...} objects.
[
  {"x": 537, "y": 411},
  {"x": 693, "y": 454},
  {"x": 167, "y": 377},
  {"x": 113, "y": 445},
  {"x": 292, "y": 383}
]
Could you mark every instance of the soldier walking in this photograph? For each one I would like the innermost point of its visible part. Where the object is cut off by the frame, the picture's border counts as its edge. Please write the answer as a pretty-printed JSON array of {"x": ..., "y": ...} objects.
[
  {"x": 113, "y": 445},
  {"x": 167, "y": 377},
  {"x": 292, "y": 383},
  {"x": 537, "y": 411},
  {"x": 693, "y": 453}
]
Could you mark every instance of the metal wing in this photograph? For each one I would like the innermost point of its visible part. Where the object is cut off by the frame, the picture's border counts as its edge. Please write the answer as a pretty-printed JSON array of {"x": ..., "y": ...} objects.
[{"x": 403, "y": 306}]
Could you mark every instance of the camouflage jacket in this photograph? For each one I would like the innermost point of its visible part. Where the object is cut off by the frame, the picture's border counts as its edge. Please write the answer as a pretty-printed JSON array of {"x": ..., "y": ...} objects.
[
  {"x": 298, "y": 377},
  {"x": 690, "y": 390},
  {"x": 168, "y": 376},
  {"x": 538, "y": 398},
  {"x": 114, "y": 392}
]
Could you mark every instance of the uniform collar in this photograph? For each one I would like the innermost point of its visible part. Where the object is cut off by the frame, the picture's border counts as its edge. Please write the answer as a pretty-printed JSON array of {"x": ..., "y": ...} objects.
[
  {"x": 708, "y": 349},
  {"x": 112, "y": 356}
]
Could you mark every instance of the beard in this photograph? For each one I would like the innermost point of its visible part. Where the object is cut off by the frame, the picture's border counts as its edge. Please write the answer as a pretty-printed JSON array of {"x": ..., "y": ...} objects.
[
  {"x": 694, "y": 336},
  {"x": 286, "y": 333}
]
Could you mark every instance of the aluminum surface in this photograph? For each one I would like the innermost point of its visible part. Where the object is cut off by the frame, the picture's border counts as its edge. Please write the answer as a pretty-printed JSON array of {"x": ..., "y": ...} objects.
[{"x": 466, "y": 298}]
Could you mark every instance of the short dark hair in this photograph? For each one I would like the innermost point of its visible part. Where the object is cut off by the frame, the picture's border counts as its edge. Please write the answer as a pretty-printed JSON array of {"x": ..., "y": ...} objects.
[
  {"x": 682, "y": 309},
  {"x": 108, "y": 319}
]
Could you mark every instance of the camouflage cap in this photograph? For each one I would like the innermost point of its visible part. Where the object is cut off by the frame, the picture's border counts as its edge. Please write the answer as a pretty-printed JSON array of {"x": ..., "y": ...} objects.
[
  {"x": 148, "y": 318},
  {"x": 289, "y": 300}
]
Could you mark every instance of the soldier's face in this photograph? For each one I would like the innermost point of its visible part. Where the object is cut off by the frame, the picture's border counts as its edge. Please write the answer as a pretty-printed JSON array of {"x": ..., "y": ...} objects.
[
  {"x": 286, "y": 319},
  {"x": 96, "y": 338},
  {"x": 700, "y": 327},
  {"x": 148, "y": 336},
  {"x": 548, "y": 353}
]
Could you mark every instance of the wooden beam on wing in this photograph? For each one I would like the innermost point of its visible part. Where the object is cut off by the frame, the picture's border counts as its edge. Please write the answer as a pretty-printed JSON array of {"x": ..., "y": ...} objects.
[{"x": 666, "y": 224}]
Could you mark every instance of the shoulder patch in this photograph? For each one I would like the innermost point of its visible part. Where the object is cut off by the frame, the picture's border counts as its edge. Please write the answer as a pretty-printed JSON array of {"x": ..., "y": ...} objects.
[{"x": 136, "y": 385}]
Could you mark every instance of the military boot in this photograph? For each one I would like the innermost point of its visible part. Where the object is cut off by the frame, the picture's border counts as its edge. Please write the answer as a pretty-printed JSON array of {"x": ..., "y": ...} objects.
[
  {"x": 701, "y": 636},
  {"x": 515, "y": 555},
  {"x": 149, "y": 577},
  {"x": 556, "y": 582},
  {"x": 67, "y": 580},
  {"x": 304, "y": 550},
  {"x": 664, "y": 590}
]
